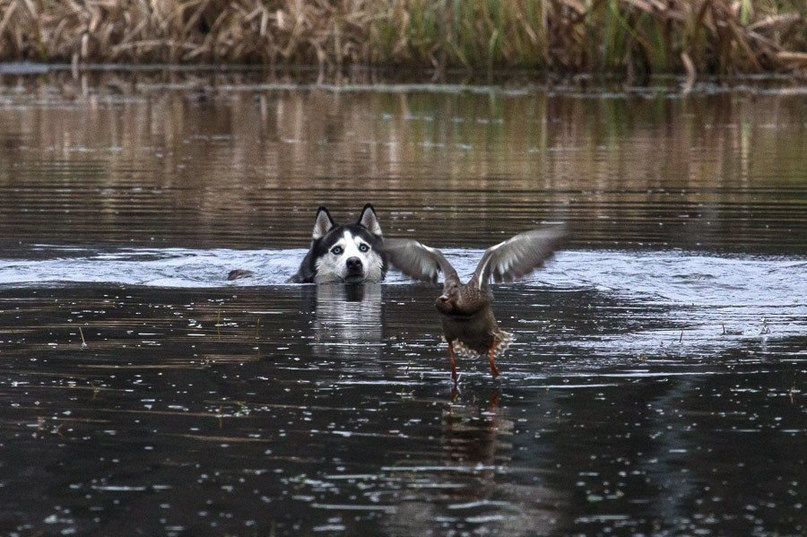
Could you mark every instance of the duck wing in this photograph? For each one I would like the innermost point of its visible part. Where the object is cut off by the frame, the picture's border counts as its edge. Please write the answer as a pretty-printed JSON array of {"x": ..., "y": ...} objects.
[
  {"x": 417, "y": 260},
  {"x": 518, "y": 256}
]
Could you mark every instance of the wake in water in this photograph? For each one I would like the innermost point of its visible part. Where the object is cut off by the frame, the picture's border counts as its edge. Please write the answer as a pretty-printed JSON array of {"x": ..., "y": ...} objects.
[
  {"x": 613, "y": 303},
  {"x": 650, "y": 276},
  {"x": 647, "y": 278},
  {"x": 151, "y": 267}
]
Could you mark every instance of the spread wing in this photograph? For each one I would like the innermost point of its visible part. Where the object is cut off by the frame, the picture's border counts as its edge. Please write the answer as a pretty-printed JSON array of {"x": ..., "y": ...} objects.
[
  {"x": 518, "y": 256},
  {"x": 417, "y": 260}
]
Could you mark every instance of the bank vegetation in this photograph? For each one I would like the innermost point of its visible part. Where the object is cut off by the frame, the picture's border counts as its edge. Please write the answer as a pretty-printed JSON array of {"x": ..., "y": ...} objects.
[{"x": 620, "y": 37}]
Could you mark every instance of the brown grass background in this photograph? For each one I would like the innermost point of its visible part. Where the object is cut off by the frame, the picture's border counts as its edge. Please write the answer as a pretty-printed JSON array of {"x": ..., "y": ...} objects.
[{"x": 623, "y": 37}]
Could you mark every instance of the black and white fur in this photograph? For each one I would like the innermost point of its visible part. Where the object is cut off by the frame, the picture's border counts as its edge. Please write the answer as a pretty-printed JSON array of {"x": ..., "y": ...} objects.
[{"x": 344, "y": 253}]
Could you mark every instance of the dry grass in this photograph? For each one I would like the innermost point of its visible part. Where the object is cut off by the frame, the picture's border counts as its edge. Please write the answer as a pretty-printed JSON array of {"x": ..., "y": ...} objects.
[{"x": 603, "y": 36}]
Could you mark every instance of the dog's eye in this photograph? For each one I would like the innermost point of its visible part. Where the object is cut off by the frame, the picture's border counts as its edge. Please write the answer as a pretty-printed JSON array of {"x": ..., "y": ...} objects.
[
  {"x": 336, "y": 250},
  {"x": 363, "y": 248}
]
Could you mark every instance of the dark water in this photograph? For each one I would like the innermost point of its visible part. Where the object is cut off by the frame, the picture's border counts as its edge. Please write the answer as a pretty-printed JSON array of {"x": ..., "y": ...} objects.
[{"x": 655, "y": 387}]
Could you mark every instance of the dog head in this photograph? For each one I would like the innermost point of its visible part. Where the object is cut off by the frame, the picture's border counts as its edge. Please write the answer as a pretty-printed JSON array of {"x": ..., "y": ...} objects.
[{"x": 347, "y": 253}]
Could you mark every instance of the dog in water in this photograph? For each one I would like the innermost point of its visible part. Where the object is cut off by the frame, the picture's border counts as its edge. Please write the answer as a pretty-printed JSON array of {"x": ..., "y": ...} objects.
[{"x": 344, "y": 253}]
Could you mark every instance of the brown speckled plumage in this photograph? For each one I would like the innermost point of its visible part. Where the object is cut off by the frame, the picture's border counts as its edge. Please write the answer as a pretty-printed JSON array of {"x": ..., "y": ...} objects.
[{"x": 469, "y": 326}]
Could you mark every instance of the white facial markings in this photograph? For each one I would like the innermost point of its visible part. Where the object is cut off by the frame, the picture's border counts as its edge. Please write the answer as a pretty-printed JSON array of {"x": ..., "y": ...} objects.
[
  {"x": 351, "y": 246},
  {"x": 333, "y": 266},
  {"x": 325, "y": 271}
]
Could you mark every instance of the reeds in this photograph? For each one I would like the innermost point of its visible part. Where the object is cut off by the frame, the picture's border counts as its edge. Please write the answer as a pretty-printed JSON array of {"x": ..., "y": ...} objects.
[{"x": 602, "y": 36}]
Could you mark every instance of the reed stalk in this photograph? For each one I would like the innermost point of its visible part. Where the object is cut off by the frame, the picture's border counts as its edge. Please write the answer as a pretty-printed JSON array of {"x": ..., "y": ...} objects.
[{"x": 597, "y": 36}]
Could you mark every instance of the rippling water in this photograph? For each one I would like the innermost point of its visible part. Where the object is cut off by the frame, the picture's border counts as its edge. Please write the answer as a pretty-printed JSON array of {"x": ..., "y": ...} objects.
[{"x": 655, "y": 386}]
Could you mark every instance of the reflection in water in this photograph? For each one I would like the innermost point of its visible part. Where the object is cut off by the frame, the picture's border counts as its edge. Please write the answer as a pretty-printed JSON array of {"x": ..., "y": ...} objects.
[
  {"x": 213, "y": 407},
  {"x": 475, "y": 487},
  {"x": 247, "y": 166},
  {"x": 348, "y": 321},
  {"x": 650, "y": 390},
  {"x": 473, "y": 435}
]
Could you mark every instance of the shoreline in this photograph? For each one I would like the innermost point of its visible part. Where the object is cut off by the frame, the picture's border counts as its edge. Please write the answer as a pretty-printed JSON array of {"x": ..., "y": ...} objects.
[{"x": 629, "y": 39}]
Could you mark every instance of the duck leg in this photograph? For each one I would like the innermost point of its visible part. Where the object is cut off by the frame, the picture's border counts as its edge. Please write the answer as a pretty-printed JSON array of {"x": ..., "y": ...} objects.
[
  {"x": 453, "y": 361},
  {"x": 492, "y": 357}
]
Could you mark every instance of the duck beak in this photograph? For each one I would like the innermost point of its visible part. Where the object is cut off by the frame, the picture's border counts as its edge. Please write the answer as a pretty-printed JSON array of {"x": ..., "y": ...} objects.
[{"x": 443, "y": 304}]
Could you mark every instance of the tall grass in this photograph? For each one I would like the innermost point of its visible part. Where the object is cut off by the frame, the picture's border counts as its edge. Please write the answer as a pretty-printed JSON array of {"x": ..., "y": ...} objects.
[{"x": 604, "y": 36}]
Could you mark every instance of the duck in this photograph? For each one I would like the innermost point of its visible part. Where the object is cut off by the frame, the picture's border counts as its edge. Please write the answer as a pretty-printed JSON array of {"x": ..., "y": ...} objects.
[{"x": 469, "y": 325}]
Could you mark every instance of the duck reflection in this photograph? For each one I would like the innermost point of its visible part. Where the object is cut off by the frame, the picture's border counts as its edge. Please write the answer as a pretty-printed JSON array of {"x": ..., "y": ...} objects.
[
  {"x": 474, "y": 434},
  {"x": 467, "y": 493}
]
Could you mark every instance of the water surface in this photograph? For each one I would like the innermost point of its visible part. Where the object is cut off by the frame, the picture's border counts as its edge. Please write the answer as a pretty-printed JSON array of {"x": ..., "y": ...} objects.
[{"x": 655, "y": 386}]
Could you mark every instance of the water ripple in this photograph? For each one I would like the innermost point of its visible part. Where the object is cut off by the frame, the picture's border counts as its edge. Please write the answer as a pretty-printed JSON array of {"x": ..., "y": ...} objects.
[{"x": 653, "y": 277}]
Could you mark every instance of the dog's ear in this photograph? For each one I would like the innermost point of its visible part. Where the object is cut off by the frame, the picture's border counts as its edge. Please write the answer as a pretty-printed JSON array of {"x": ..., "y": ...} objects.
[
  {"x": 323, "y": 223},
  {"x": 369, "y": 220}
]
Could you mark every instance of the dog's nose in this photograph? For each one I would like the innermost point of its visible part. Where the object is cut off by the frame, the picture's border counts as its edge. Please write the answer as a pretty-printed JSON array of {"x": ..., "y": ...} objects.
[{"x": 353, "y": 263}]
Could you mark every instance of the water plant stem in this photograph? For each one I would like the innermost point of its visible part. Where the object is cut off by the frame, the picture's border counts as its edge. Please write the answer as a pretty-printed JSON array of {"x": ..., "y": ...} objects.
[{"x": 597, "y": 36}]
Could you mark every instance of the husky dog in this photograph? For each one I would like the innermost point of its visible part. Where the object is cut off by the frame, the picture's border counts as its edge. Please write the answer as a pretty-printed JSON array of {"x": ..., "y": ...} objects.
[{"x": 347, "y": 253}]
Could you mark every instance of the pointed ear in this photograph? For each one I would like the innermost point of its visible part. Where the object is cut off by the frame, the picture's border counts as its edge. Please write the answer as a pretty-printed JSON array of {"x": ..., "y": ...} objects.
[
  {"x": 323, "y": 223},
  {"x": 369, "y": 220}
]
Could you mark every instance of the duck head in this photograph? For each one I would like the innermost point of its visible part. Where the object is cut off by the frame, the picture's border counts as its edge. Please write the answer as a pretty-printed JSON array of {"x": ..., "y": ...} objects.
[
  {"x": 460, "y": 300},
  {"x": 448, "y": 303}
]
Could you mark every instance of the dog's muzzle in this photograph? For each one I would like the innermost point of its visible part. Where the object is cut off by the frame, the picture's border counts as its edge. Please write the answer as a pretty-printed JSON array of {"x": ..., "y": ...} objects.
[{"x": 355, "y": 270}]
